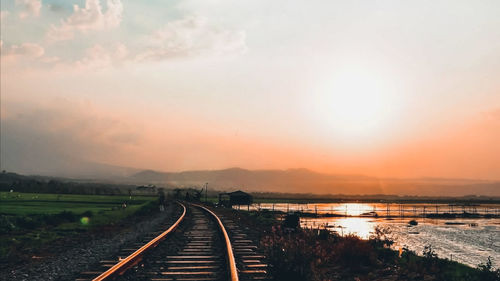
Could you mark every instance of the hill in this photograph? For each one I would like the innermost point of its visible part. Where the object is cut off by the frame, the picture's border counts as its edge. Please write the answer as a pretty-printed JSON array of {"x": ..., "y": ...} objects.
[{"x": 307, "y": 181}]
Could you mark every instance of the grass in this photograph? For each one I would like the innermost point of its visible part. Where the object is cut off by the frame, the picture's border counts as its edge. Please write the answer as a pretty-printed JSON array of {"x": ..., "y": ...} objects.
[
  {"x": 29, "y": 220},
  {"x": 306, "y": 254},
  {"x": 16, "y": 203},
  {"x": 321, "y": 255}
]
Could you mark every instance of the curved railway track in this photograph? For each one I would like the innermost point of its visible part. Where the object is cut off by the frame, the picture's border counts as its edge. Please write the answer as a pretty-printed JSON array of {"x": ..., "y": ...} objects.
[
  {"x": 196, "y": 246},
  {"x": 136, "y": 256}
]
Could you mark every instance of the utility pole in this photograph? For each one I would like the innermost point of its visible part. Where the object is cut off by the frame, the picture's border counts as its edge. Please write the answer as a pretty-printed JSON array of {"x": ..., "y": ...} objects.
[{"x": 206, "y": 190}]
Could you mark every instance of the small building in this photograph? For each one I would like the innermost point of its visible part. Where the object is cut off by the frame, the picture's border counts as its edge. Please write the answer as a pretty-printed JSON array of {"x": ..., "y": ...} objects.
[{"x": 239, "y": 197}]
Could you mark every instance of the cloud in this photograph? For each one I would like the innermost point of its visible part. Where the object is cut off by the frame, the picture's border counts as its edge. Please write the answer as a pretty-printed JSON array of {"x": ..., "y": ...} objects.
[
  {"x": 89, "y": 18},
  {"x": 50, "y": 60},
  {"x": 493, "y": 115},
  {"x": 55, "y": 7},
  {"x": 98, "y": 57},
  {"x": 192, "y": 36},
  {"x": 27, "y": 50},
  {"x": 58, "y": 134},
  {"x": 29, "y": 8},
  {"x": 3, "y": 15}
]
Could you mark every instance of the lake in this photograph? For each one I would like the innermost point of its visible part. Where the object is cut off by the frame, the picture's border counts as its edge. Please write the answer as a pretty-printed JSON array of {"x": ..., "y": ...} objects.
[{"x": 469, "y": 241}]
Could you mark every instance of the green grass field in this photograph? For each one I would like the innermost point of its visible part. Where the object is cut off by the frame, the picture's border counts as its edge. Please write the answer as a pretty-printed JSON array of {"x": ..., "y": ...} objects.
[
  {"x": 29, "y": 220},
  {"x": 15, "y": 203}
]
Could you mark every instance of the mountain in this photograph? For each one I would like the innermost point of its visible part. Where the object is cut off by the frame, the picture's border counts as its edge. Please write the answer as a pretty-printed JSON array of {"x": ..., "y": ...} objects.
[
  {"x": 307, "y": 181},
  {"x": 67, "y": 167}
]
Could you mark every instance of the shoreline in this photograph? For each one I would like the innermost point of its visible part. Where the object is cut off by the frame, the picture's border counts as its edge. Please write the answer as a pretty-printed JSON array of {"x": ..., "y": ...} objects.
[
  {"x": 380, "y": 261},
  {"x": 370, "y": 215}
]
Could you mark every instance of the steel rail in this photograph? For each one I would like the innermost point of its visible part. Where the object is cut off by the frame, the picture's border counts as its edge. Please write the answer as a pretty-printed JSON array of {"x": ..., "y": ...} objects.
[
  {"x": 136, "y": 256},
  {"x": 233, "y": 271}
]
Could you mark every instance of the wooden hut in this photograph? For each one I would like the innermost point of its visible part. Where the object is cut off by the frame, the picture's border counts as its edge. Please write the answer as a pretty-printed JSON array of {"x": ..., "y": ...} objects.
[{"x": 239, "y": 197}]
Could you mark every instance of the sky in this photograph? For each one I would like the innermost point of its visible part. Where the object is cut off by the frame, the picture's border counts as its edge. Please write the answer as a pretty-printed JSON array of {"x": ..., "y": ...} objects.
[{"x": 379, "y": 88}]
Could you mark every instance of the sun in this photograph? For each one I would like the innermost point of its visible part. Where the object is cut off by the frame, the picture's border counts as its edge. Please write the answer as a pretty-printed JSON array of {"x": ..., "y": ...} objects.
[{"x": 355, "y": 101}]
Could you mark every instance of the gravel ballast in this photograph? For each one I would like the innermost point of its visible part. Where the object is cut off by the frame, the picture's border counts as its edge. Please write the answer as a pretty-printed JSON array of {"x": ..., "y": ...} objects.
[{"x": 70, "y": 260}]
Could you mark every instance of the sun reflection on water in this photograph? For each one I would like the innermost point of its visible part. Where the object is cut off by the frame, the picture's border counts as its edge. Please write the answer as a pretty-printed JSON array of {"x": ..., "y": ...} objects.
[
  {"x": 362, "y": 227},
  {"x": 355, "y": 209}
]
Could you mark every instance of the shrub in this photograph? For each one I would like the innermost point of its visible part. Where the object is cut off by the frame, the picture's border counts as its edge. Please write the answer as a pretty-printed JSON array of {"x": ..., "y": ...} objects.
[
  {"x": 67, "y": 216},
  {"x": 148, "y": 208},
  {"x": 293, "y": 256},
  {"x": 321, "y": 255},
  {"x": 381, "y": 237},
  {"x": 51, "y": 220},
  {"x": 6, "y": 224},
  {"x": 354, "y": 252},
  {"x": 312, "y": 254},
  {"x": 429, "y": 253},
  {"x": 29, "y": 222},
  {"x": 87, "y": 214},
  {"x": 487, "y": 272}
]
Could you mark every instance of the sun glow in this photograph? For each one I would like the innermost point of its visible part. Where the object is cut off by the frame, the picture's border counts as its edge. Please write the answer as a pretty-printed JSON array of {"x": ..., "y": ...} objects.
[
  {"x": 355, "y": 102},
  {"x": 362, "y": 227},
  {"x": 354, "y": 209}
]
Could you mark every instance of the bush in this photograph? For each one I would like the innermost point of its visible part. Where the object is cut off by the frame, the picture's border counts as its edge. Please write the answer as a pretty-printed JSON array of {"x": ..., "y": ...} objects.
[
  {"x": 312, "y": 254},
  {"x": 6, "y": 224},
  {"x": 51, "y": 220},
  {"x": 67, "y": 216},
  {"x": 30, "y": 222},
  {"x": 88, "y": 214},
  {"x": 321, "y": 255},
  {"x": 381, "y": 237},
  {"x": 9, "y": 224},
  {"x": 487, "y": 272},
  {"x": 148, "y": 208},
  {"x": 354, "y": 252},
  {"x": 292, "y": 256}
]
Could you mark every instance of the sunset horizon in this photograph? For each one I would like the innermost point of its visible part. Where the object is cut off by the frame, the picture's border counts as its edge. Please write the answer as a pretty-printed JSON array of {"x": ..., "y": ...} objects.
[
  {"x": 223, "y": 140},
  {"x": 210, "y": 86}
]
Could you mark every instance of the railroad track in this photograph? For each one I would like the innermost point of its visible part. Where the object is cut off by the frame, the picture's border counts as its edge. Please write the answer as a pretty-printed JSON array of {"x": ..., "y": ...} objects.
[
  {"x": 249, "y": 260},
  {"x": 118, "y": 263},
  {"x": 197, "y": 246}
]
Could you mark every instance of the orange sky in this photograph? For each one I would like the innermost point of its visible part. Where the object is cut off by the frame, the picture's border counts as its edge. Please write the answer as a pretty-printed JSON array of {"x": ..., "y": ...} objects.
[{"x": 386, "y": 89}]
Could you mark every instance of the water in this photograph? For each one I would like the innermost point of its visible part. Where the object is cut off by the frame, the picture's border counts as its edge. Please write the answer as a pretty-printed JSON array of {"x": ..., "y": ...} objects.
[
  {"x": 469, "y": 241},
  {"x": 382, "y": 209}
]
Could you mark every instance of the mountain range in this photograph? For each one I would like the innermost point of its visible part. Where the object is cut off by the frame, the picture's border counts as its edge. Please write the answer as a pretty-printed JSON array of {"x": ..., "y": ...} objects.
[
  {"x": 282, "y": 181},
  {"x": 307, "y": 181}
]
